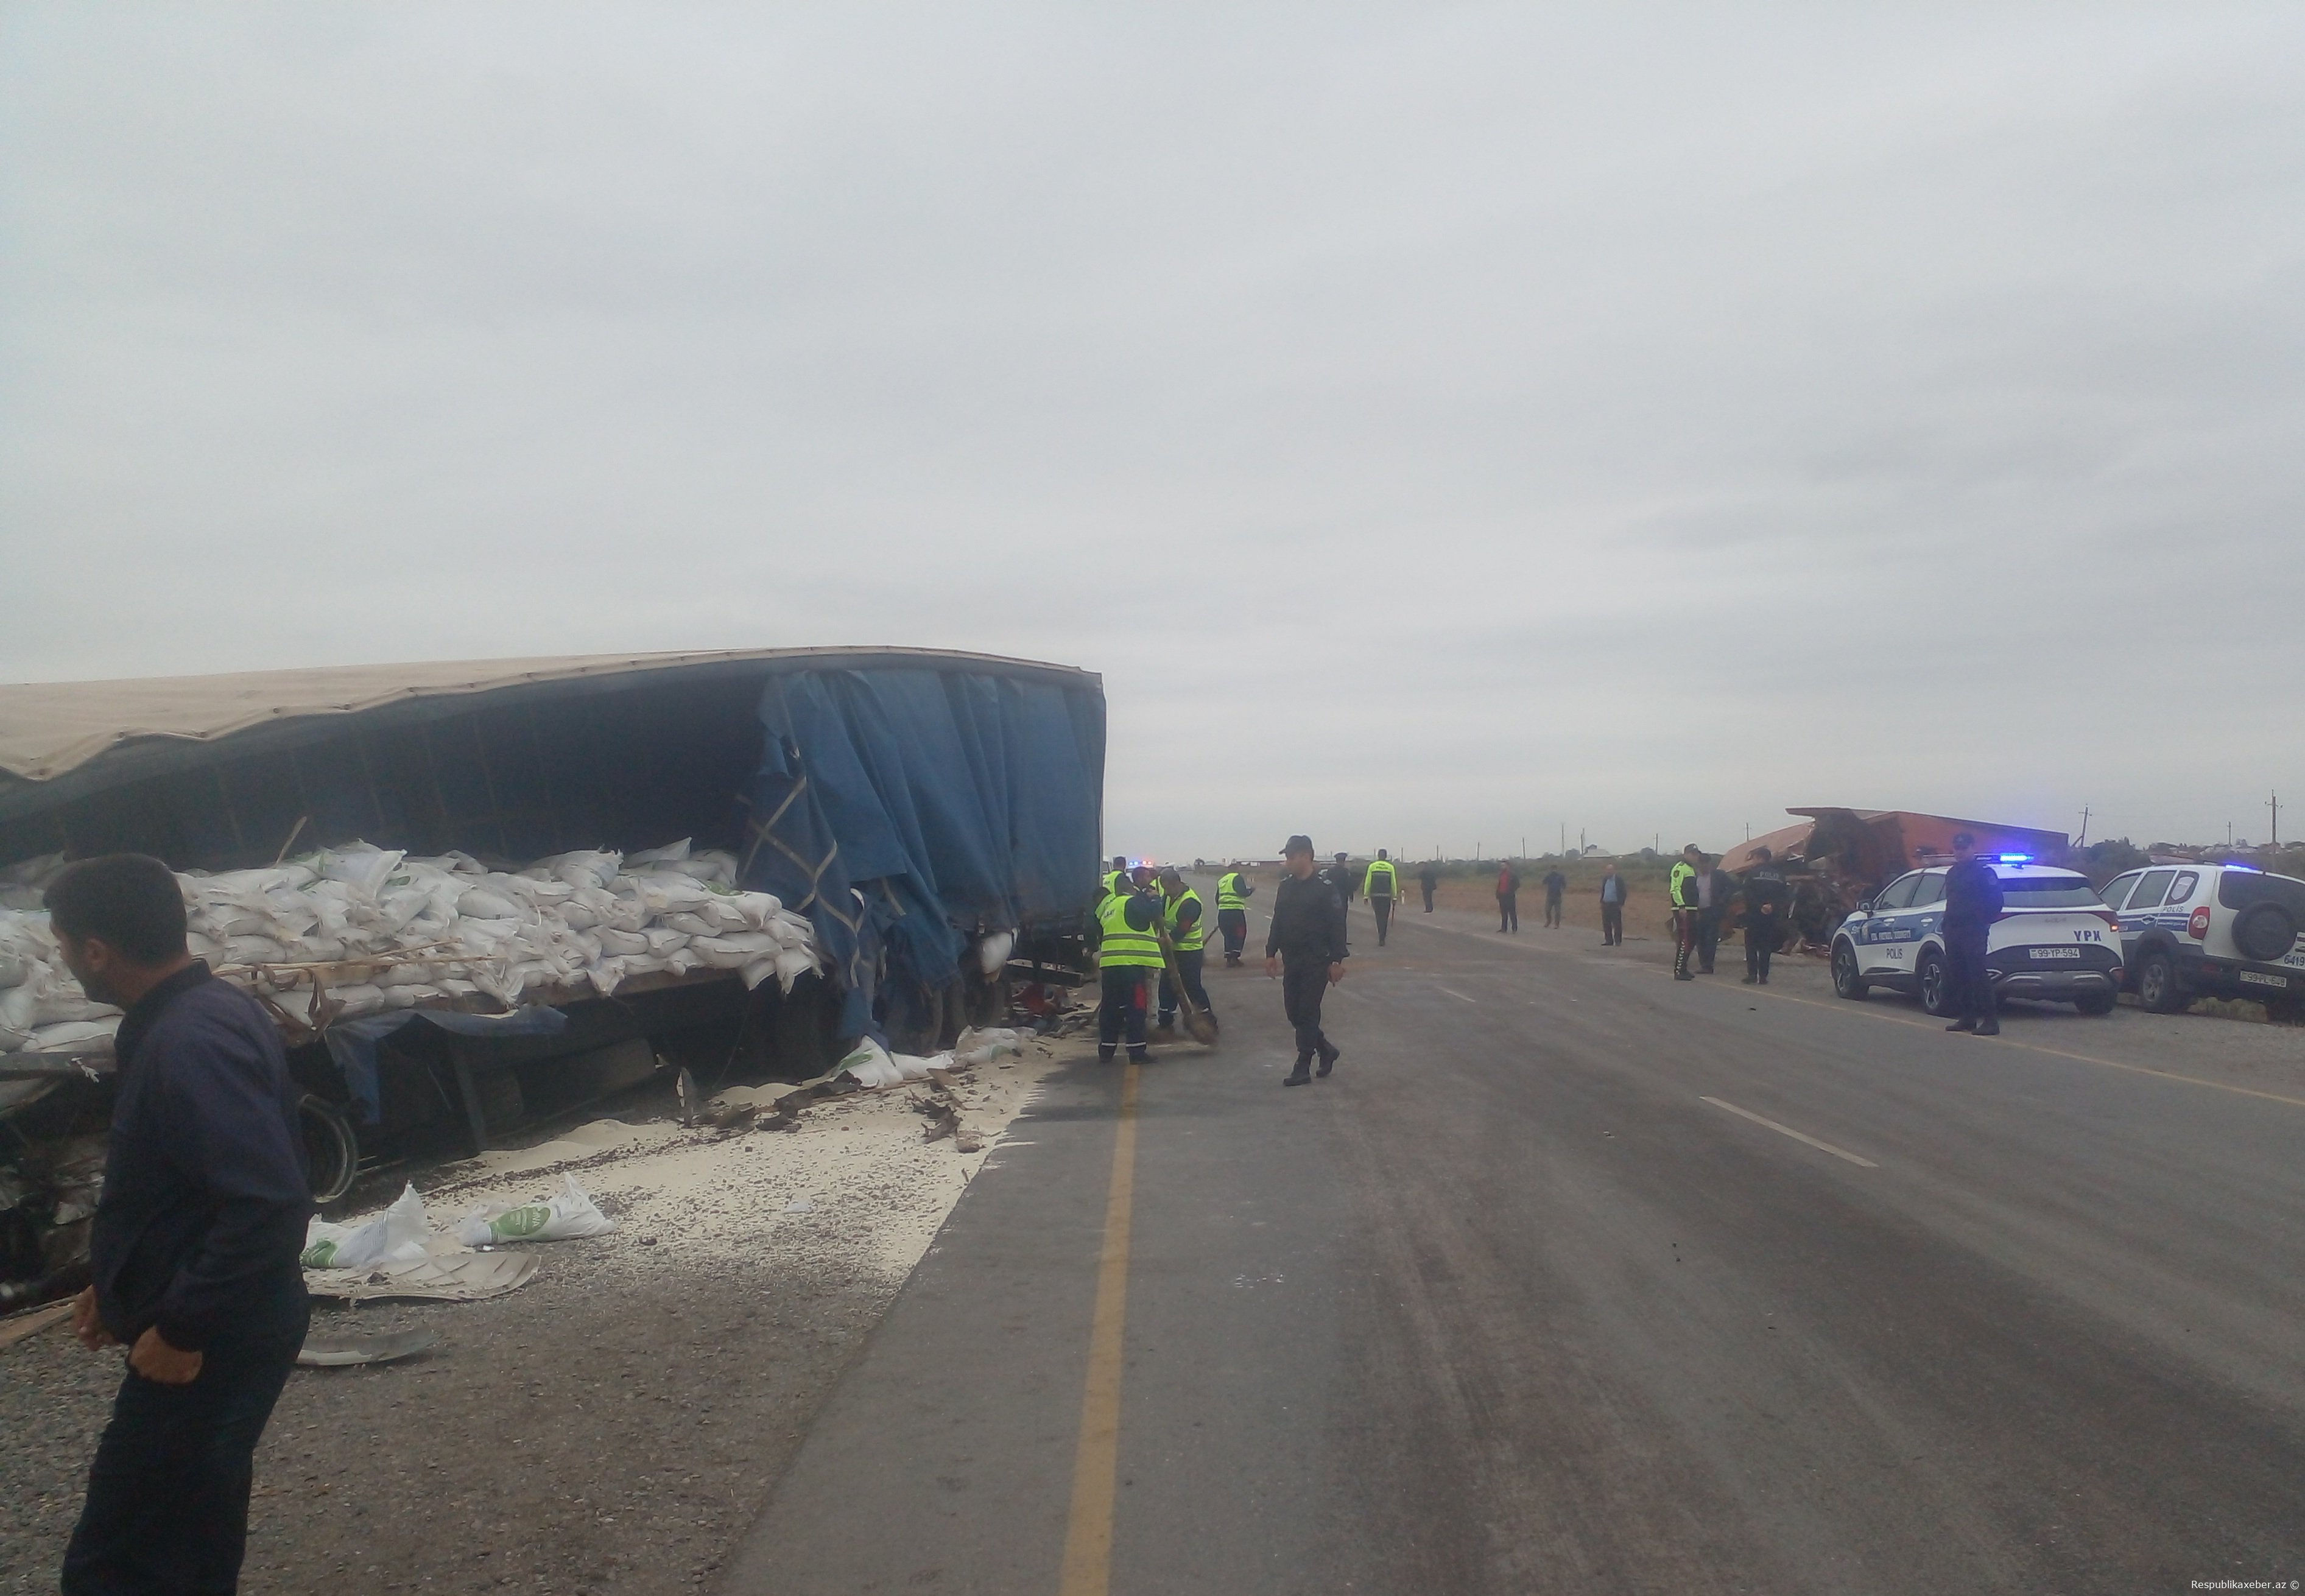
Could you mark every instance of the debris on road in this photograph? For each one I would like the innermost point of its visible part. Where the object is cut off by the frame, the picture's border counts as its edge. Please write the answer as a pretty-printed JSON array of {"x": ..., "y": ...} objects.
[{"x": 345, "y": 1352}]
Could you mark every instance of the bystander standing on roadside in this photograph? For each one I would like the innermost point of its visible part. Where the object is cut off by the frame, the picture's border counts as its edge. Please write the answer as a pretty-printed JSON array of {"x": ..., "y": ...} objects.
[
  {"x": 1555, "y": 884},
  {"x": 1507, "y": 897},
  {"x": 1767, "y": 900},
  {"x": 1973, "y": 901},
  {"x": 1613, "y": 906},
  {"x": 1304, "y": 948},
  {"x": 195, "y": 1244},
  {"x": 1428, "y": 879},
  {"x": 1715, "y": 887}
]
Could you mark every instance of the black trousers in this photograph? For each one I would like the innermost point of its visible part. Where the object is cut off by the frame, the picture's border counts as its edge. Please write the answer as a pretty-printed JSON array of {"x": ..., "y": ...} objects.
[
  {"x": 1508, "y": 911},
  {"x": 1684, "y": 939},
  {"x": 1381, "y": 906},
  {"x": 1551, "y": 910},
  {"x": 1612, "y": 923},
  {"x": 167, "y": 1495},
  {"x": 1708, "y": 938},
  {"x": 1303, "y": 985},
  {"x": 1972, "y": 988},
  {"x": 1123, "y": 1009},
  {"x": 1427, "y": 886},
  {"x": 1760, "y": 942},
  {"x": 1188, "y": 967},
  {"x": 1234, "y": 925}
]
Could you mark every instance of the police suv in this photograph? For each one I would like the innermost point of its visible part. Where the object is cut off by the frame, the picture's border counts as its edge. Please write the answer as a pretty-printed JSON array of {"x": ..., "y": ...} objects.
[
  {"x": 2225, "y": 929},
  {"x": 2054, "y": 940}
]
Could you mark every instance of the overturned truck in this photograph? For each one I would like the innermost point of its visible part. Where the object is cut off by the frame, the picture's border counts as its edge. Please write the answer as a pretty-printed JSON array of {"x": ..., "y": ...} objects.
[{"x": 474, "y": 894}]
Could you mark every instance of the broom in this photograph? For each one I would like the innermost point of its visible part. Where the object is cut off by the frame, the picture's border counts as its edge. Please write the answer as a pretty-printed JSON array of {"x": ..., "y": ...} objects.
[{"x": 1198, "y": 1025}]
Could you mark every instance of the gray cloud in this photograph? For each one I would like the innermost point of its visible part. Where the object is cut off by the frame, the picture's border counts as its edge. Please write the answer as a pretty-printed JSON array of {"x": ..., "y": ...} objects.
[{"x": 1438, "y": 424}]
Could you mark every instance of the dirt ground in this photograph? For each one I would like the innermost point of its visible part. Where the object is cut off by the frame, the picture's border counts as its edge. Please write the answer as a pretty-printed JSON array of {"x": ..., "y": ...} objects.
[{"x": 613, "y": 1426}]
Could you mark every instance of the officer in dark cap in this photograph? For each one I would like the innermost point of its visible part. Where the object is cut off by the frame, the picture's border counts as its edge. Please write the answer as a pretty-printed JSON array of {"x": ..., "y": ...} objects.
[
  {"x": 1305, "y": 948},
  {"x": 1972, "y": 902}
]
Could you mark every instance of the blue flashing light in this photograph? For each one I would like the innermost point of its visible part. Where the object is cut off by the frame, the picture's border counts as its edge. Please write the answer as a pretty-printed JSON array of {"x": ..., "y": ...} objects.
[{"x": 2014, "y": 857}]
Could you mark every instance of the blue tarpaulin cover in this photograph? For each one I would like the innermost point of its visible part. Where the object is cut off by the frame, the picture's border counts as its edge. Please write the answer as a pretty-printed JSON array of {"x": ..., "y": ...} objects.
[{"x": 905, "y": 809}]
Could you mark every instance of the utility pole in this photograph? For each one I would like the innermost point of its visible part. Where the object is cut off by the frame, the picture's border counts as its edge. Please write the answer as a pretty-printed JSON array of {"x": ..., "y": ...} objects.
[
  {"x": 2274, "y": 804},
  {"x": 2085, "y": 820}
]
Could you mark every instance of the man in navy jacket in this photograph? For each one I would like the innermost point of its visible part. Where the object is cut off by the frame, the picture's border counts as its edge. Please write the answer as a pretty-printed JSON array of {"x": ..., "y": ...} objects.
[{"x": 195, "y": 1242}]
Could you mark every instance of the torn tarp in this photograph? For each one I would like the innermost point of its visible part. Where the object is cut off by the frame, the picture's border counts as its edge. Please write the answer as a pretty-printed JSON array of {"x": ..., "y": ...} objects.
[{"x": 352, "y": 1043}]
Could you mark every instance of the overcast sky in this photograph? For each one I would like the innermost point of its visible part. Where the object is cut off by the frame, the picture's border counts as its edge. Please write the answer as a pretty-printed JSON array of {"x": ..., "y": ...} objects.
[{"x": 1439, "y": 424}]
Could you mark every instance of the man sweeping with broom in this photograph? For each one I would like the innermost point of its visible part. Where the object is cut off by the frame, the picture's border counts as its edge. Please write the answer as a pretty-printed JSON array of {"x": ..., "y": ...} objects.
[{"x": 1186, "y": 919}]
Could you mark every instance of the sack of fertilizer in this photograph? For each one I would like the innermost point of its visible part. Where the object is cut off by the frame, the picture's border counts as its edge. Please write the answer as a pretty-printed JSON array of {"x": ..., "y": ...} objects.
[
  {"x": 569, "y": 1215},
  {"x": 396, "y": 1235},
  {"x": 870, "y": 1064}
]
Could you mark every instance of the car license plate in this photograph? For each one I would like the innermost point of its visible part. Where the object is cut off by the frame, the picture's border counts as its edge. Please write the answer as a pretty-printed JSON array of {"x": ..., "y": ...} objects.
[
  {"x": 2057, "y": 953},
  {"x": 2254, "y": 979}
]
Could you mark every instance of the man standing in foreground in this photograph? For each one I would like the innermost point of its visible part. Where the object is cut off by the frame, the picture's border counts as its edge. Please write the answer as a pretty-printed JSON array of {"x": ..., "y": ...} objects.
[
  {"x": 1382, "y": 883},
  {"x": 1428, "y": 879},
  {"x": 195, "y": 1242},
  {"x": 1681, "y": 893},
  {"x": 1555, "y": 884},
  {"x": 1613, "y": 906},
  {"x": 1973, "y": 901},
  {"x": 1233, "y": 893},
  {"x": 1768, "y": 901},
  {"x": 1305, "y": 947}
]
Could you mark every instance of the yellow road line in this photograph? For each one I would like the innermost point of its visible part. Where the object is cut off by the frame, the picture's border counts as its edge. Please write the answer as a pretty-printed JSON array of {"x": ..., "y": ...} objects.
[
  {"x": 1789, "y": 1131},
  {"x": 1088, "y": 1534},
  {"x": 1842, "y": 1006}
]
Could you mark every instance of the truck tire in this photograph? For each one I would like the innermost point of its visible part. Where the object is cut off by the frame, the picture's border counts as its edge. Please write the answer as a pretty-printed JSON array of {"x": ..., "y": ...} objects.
[
  {"x": 2264, "y": 931},
  {"x": 2157, "y": 984},
  {"x": 1846, "y": 982},
  {"x": 331, "y": 1149},
  {"x": 1929, "y": 980}
]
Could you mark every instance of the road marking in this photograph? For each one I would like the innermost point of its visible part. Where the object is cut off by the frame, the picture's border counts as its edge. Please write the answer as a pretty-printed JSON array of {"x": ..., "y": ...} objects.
[
  {"x": 1857, "y": 1011},
  {"x": 1088, "y": 1533},
  {"x": 1458, "y": 995},
  {"x": 1789, "y": 1131}
]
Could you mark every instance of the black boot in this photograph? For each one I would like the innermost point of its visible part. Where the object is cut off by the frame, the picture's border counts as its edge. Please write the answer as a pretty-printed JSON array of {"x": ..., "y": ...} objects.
[
  {"x": 1303, "y": 1073},
  {"x": 1330, "y": 1053},
  {"x": 1104, "y": 1055},
  {"x": 1989, "y": 1027}
]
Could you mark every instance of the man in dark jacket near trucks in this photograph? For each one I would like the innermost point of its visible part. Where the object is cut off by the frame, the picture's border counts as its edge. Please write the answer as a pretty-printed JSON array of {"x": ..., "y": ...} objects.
[
  {"x": 1768, "y": 902},
  {"x": 195, "y": 1244},
  {"x": 1305, "y": 947},
  {"x": 1973, "y": 902}
]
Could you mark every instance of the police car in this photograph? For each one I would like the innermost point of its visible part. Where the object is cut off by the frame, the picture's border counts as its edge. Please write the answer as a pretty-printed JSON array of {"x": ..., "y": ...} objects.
[
  {"x": 2187, "y": 930},
  {"x": 2054, "y": 940}
]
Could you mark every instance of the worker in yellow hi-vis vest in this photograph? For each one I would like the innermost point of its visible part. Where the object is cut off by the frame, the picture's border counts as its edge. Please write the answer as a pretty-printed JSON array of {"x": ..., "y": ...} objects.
[
  {"x": 1187, "y": 920},
  {"x": 1128, "y": 956},
  {"x": 1233, "y": 893},
  {"x": 1380, "y": 886}
]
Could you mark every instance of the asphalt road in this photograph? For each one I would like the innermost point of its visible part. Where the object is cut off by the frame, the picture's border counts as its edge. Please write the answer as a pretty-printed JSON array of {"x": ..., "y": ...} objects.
[{"x": 1573, "y": 1279}]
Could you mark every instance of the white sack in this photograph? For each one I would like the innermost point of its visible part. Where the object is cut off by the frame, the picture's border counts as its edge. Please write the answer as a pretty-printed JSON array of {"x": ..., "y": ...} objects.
[
  {"x": 569, "y": 1216},
  {"x": 397, "y": 1235}
]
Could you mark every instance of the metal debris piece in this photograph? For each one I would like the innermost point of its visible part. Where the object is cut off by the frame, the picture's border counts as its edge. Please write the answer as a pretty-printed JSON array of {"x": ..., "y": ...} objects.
[{"x": 342, "y": 1352}]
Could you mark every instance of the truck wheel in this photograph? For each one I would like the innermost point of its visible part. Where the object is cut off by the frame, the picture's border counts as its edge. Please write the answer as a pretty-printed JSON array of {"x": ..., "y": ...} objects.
[
  {"x": 2156, "y": 984},
  {"x": 1936, "y": 997},
  {"x": 331, "y": 1149},
  {"x": 1846, "y": 982},
  {"x": 2096, "y": 1003}
]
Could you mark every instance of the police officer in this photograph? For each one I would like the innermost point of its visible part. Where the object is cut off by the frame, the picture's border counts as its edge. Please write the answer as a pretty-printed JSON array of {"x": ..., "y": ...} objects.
[
  {"x": 1973, "y": 901},
  {"x": 1681, "y": 893},
  {"x": 1304, "y": 946},
  {"x": 1233, "y": 893},
  {"x": 1767, "y": 902},
  {"x": 1380, "y": 887},
  {"x": 1186, "y": 919},
  {"x": 1128, "y": 954},
  {"x": 1340, "y": 877},
  {"x": 1428, "y": 879}
]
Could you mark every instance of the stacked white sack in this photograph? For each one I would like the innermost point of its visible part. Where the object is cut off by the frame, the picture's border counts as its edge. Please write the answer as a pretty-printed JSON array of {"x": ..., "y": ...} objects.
[{"x": 587, "y": 918}]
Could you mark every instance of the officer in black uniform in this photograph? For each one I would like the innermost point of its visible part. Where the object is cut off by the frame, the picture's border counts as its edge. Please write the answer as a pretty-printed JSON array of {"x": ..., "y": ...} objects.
[
  {"x": 1768, "y": 901},
  {"x": 1305, "y": 947},
  {"x": 1340, "y": 877},
  {"x": 1972, "y": 902}
]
